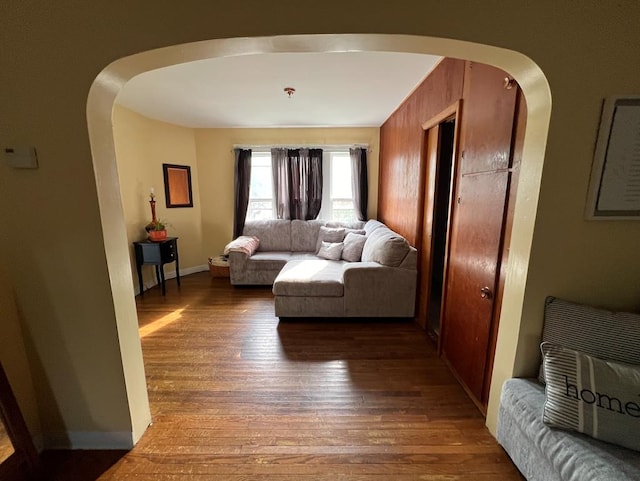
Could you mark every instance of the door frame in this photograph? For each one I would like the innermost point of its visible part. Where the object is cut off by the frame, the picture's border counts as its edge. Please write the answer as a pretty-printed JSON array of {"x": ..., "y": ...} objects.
[{"x": 428, "y": 179}]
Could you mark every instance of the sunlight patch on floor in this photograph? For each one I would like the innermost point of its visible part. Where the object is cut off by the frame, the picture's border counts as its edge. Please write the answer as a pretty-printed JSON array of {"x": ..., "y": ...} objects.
[{"x": 160, "y": 323}]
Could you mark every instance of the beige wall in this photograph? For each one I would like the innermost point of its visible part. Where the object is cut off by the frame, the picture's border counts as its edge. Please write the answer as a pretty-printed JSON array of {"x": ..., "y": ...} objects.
[
  {"x": 142, "y": 146},
  {"x": 13, "y": 356},
  {"x": 73, "y": 283},
  {"x": 216, "y": 160}
]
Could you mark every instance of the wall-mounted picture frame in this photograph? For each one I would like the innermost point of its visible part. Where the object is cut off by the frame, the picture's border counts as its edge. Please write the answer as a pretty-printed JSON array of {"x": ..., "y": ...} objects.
[
  {"x": 614, "y": 190},
  {"x": 177, "y": 185}
]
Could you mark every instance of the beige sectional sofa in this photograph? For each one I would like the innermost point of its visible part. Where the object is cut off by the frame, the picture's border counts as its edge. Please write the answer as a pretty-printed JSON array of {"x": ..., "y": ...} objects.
[{"x": 381, "y": 282}]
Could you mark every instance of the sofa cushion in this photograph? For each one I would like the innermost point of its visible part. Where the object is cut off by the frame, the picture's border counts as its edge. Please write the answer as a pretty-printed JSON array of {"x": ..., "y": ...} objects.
[
  {"x": 372, "y": 225},
  {"x": 355, "y": 225},
  {"x": 385, "y": 247},
  {"x": 597, "y": 332},
  {"x": 329, "y": 234},
  {"x": 274, "y": 234},
  {"x": 331, "y": 251},
  {"x": 353, "y": 244},
  {"x": 543, "y": 453},
  {"x": 592, "y": 396},
  {"x": 304, "y": 235},
  {"x": 304, "y": 256},
  {"x": 267, "y": 261},
  {"x": 312, "y": 278}
]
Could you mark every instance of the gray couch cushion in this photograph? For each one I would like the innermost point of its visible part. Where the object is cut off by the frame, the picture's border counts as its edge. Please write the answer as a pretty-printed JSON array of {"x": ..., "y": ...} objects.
[
  {"x": 372, "y": 225},
  {"x": 267, "y": 261},
  {"x": 385, "y": 247},
  {"x": 304, "y": 256},
  {"x": 331, "y": 251},
  {"x": 314, "y": 278},
  {"x": 597, "y": 332},
  {"x": 542, "y": 453},
  {"x": 304, "y": 235},
  {"x": 274, "y": 234},
  {"x": 330, "y": 234},
  {"x": 353, "y": 245},
  {"x": 355, "y": 225}
]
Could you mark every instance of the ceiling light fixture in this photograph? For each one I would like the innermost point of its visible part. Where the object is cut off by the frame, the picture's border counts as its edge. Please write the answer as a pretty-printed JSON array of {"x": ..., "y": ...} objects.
[{"x": 289, "y": 91}]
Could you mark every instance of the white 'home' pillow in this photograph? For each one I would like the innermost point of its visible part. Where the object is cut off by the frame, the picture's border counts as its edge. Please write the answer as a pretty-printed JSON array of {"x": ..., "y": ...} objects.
[{"x": 592, "y": 396}]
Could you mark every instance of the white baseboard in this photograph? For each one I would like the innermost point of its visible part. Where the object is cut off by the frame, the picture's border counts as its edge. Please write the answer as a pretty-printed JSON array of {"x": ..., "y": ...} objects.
[
  {"x": 189, "y": 270},
  {"x": 171, "y": 275},
  {"x": 89, "y": 440}
]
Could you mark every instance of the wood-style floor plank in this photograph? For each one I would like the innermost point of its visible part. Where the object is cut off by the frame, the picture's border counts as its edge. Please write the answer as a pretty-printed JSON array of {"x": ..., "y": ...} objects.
[{"x": 238, "y": 395}]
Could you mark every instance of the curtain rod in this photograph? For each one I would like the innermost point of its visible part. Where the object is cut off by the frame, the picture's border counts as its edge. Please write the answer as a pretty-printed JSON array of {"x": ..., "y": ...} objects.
[{"x": 280, "y": 146}]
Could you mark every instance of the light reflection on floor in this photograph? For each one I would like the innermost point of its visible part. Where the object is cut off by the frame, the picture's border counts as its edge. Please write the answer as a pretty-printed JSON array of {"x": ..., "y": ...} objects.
[{"x": 160, "y": 323}]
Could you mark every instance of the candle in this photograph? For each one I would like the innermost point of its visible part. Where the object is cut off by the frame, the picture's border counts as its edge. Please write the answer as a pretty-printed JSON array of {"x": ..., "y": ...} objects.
[{"x": 152, "y": 190}]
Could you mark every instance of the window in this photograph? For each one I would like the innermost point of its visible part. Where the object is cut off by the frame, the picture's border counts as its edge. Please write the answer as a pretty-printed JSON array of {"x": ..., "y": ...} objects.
[
  {"x": 261, "y": 187},
  {"x": 337, "y": 195}
]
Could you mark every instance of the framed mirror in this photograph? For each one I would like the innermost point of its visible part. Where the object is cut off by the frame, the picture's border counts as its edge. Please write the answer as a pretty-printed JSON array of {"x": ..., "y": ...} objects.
[
  {"x": 18, "y": 456},
  {"x": 177, "y": 185}
]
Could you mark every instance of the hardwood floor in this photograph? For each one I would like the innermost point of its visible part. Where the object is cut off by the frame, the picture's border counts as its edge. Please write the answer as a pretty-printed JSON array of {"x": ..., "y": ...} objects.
[
  {"x": 6, "y": 448},
  {"x": 237, "y": 395}
]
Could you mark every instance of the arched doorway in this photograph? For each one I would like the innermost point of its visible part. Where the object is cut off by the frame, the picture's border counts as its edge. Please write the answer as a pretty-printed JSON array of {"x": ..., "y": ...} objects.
[{"x": 99, "y": 110}]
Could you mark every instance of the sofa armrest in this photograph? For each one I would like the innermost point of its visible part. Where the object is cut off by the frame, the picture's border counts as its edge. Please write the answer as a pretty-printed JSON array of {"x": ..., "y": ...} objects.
[
  {"x": 371, "y": 289},
  {"x": 237, "y": 266}
]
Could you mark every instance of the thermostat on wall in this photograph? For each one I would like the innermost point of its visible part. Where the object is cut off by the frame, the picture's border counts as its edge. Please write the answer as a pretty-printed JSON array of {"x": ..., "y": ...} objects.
[{"x": 21, "y": 157}]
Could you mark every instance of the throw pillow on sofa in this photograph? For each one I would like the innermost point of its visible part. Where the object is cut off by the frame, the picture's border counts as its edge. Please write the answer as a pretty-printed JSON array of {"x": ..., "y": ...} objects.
[
  {"x": 385, "y": 247},
  {"x": 331, "y": 250},
  {"x": 331, "y": 235},
  {"x": 245, "y": 244},
  {"x": 598, "y": 332},
  {"x": 353, "y": 244},
  {"x": 592, "y": 396}
]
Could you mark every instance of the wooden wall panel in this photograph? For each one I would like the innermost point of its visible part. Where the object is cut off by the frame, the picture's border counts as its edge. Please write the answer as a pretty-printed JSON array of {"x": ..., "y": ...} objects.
[{"x": 401, "y": 144}]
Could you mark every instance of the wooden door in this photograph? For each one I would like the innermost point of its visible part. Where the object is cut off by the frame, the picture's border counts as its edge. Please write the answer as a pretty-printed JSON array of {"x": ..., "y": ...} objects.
[
  {"x": 477, "y": 224},
  {"x": 472, "y": 275}
]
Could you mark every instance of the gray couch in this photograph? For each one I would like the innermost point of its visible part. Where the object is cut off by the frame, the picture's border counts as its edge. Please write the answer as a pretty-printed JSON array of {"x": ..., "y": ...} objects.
[
  {"x": 381, "y": 284},
  {"x": 543, "y": 453}
]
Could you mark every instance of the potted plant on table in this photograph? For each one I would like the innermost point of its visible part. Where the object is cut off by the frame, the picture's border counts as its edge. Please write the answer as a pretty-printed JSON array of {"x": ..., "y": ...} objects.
[{"x": 157, "y": 230}]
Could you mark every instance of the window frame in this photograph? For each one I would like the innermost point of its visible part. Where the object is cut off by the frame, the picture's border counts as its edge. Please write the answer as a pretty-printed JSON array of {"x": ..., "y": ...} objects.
[
  {"x": 265, "y": 154},
  {"x": 327, "y": 210}
]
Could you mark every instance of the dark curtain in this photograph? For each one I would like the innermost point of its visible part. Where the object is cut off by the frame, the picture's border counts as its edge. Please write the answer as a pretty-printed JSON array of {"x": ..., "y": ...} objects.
[
  {"x": 297, "y": 182},
  {"x": 314, "y": 184},
  {"x": 359, "y": 181},
  {"x": 241, "y": 189}
]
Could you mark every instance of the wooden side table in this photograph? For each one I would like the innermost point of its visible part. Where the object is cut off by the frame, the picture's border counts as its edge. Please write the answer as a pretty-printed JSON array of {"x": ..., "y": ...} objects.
[{"x": 158, "y": 254}]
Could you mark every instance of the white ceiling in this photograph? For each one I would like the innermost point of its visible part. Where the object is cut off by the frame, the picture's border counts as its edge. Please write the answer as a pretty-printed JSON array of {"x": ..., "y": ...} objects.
[{"x": 355, "y": 89}]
